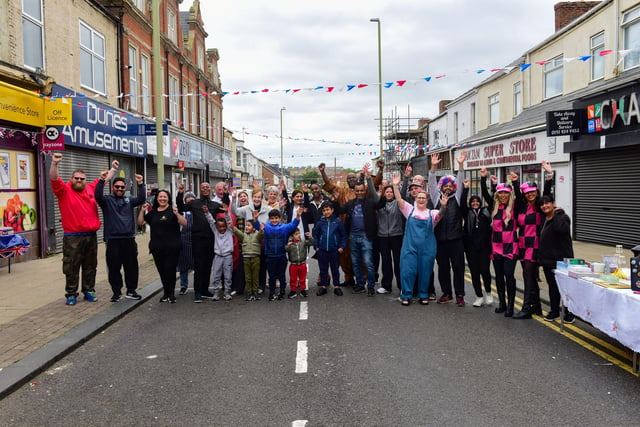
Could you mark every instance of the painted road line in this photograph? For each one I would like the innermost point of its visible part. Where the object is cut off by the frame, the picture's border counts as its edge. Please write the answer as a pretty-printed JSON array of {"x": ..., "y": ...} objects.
[
  {"x": 299, "y": 423},
  {"x": 301, "y": 358},
  {"x": 304, "y": 310}
]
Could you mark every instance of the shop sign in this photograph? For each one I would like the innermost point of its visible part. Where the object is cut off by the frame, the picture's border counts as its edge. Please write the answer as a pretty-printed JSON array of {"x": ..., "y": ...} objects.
[
  {"x": 21, "y": 106},
  {"x": 97, "y": 126},
  {"x": 184, "y": 147},
  {"x": 610, "y": 113},
  {"x": 57, "y": 112},
  {"x": 565, "y": 122},
  {"x": 510, "y": 152},
  {"x": 51, "y": 140}
]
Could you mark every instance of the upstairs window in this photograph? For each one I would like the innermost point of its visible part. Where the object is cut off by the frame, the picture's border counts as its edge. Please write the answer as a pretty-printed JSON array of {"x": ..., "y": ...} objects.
[
  {"x": 172, "y": 26},
  {"x": 133, "y": 77},
  {"x": 145, "y": 72},
  {"x": 32, "y": 34},
  {"x": 597, "y": 61},
  {"x": 92, "y": 59},
  {"x": 631, "y": 35},
  {"x": 494, "y": 109},
  {"x": 553, "y": 77},
  {"x": 517, "y": 99}
]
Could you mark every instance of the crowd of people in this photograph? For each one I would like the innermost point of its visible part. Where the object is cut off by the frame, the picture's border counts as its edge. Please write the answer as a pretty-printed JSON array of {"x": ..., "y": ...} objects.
[{"x": 240, "y": 243}]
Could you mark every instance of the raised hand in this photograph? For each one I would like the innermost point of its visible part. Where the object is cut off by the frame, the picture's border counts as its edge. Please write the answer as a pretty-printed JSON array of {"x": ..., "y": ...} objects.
[
  {"x": 408, "y": 171},
  {"x": 256, "y": 214},
  {"x": 395, "y": 179},
  {"x": 304, "y": 187},
  {"x": 180, "y": 188},
  {"x": 380, "y": 164},
  {"x": 483, "y": 172},
  {"x": 139, "y": 178},
  {"x": 547, "y": 167},
  {"x": 435, "y": 161},
  {"x": 115, "y": 164},
  {"x": 365, "y": 170},
  {"x": 57, "y": 157},
  {"x": 494, "y": 179},
  {"x": 444, "y": 200},
  {"x": 103, "y": 175},
  {"x": 462, "y": 157},
  {"x": 466, "y": 182},
  {"x": 321, "y": 167},
  {"x": 513, "y": 176}
]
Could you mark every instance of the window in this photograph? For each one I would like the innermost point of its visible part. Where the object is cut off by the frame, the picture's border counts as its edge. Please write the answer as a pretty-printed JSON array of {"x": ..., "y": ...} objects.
[
  {"x": 32, "y": 34},
  {"x": 517, "y": 99},
  {"x": 597, "y": 61},
  {"x": 185, "y": 107},
  {"x": 133, "y": 77},
  {"x": 472, "y": 114},
  {"x": 238, "y": 157},
  {"x": 193, "y": 123},
  {"x": 553, "y": 76},
  {"x": 174, "y": 90},
  {"x": 171, "y": 26},
  {"x": 494, "y": 108},
  {"x": 140, "y": 4},
  {"x": 144, "y": 83},
  {"x": 92, "y": 59},
  {"x": 200, "y": 53},
  {"x": 455, "y": 127},
  {"x": 203, "y": 116},
  {"x": 631, "y": 35}
]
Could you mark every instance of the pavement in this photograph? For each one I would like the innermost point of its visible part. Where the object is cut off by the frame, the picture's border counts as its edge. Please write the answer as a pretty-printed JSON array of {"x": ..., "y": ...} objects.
[{"x": 37, "y": 328}]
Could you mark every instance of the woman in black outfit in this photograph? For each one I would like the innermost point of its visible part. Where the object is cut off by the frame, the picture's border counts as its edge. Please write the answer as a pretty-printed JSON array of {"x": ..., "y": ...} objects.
[
  {"x": 165, "y": 243},
  {"x": 554, "y": 244},
  {"x": 477, "y": 244}
]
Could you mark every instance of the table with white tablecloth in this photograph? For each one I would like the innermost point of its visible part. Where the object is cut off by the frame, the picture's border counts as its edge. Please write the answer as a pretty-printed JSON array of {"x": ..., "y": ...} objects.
[{"x": 616, "y": 312}]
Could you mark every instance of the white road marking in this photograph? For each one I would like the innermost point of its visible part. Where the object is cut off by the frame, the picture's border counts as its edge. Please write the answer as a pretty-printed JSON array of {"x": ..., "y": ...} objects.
[
  {"x": 299, "y": 423},
  {"x": 301, "y": 358},
  {"x": 59, "y": 369},
  {"x": 304, "y": 310}
]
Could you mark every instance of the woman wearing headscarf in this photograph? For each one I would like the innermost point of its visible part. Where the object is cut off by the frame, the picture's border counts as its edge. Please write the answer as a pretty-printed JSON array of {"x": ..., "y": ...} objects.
[{"x": 477, "y": 243}]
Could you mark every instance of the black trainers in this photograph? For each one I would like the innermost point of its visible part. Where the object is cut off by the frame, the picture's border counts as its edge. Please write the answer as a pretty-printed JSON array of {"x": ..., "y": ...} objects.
[
  {"x": 569, "y": 318},
  {"x": 551, "y": 316},
  {"x": 280, "y": 297},
  {"x": 272, "y": 297},
  {"x": 371, "y": 292},
  {"x": 133, "y": 295},
  {"x": 359, "y": 289},
  {"x": 116, "y": 298},
  {"x": 322, "y": 290},
  {"x": 338, "y": 291},
  {"x": 292, "y": 294},
  {"x": 183, "y": 291},
  {"x": 164, "y": 299},
  {"x": 304, "y": 293}
]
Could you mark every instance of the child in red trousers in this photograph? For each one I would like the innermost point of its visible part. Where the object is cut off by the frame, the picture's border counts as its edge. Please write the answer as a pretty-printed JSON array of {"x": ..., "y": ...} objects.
[{"x": 297, "y": 250}]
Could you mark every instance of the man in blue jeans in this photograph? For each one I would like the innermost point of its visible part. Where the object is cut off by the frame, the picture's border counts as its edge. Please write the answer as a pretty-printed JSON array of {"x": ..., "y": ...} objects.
[{"x": 362, "y": 228}]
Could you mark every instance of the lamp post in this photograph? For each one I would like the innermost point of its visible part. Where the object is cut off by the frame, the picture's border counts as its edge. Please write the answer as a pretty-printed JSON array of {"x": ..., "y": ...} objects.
[
  {"x": 281, "y": 147},
  {"x": 157, "y": 86},
  {"x": 377, "y": 20}
]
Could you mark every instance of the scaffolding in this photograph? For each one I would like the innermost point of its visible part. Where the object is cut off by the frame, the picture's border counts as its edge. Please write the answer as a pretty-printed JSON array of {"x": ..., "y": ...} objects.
[{"x": 404, "y": 140}]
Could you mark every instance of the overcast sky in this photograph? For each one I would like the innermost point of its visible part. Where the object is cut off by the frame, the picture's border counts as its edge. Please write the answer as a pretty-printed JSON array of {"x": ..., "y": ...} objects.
[{"x": 294, "y": 44}]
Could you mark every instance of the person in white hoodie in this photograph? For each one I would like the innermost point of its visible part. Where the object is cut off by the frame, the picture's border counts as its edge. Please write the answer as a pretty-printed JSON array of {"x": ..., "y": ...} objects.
[{"x": 223, "y": 259}]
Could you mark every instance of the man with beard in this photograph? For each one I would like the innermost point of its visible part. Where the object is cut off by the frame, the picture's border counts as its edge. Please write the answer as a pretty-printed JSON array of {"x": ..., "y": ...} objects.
[
  {"x": 343, "y": 195},
  {"x": 450, "y": 255},
  {"x": 202, "y": 239},
  {"x": 80, "y": 221}
]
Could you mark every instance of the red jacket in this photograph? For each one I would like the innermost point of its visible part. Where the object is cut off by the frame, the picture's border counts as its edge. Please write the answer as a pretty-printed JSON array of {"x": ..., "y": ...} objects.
[{"x": 79, "y": 210}]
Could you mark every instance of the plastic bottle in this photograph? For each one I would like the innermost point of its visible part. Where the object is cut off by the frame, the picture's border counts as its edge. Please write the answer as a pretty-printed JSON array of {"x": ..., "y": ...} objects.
[{"x": 620, "y": 256}]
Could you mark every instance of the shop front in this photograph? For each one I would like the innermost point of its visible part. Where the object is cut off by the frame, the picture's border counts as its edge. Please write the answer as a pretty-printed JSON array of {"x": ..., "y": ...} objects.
[
  {"x": 24, "y": 116},
  {"x": 606, "y": 158},
  {"x": 217, "y": 162},
  {"x": 98, "y": 135},
  {"x": 522, "y": 154}
]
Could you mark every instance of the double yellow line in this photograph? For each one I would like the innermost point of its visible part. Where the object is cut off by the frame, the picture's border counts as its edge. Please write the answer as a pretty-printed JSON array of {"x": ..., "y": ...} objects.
[{"x": 617, "y": 355}]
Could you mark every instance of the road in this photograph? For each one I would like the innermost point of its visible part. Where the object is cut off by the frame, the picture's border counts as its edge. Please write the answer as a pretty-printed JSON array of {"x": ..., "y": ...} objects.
[{"x": 370, "y": 362}]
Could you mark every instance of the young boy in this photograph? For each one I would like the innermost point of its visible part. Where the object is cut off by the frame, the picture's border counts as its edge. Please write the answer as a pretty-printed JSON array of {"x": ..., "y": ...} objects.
[
  {"x": 330, "y": 238},
  {"x": 297, "y": 250},
  {"x": 251, "y": 245},
  {"x": 223, "y": 261},
  {"x": 275, "y": 242}
]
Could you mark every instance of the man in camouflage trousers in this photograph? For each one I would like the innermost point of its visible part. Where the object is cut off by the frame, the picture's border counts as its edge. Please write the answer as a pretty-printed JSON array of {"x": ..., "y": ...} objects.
[{"x": 80, "y": 222}]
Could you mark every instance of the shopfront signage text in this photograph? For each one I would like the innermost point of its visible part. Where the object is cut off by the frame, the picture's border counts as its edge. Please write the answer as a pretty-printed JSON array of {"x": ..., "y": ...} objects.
[
  {"x": 606, "y": 114},
  {"x": 517, "y": 151},
  {"x": 566, "y": 122}
]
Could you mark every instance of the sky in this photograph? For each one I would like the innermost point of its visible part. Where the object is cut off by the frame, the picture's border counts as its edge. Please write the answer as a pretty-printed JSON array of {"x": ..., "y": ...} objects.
[{"x": 287, "y": 44}]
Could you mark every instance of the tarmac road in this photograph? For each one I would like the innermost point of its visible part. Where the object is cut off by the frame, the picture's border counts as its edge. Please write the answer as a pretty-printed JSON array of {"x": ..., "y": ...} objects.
[{"x": 370, "y": 362}]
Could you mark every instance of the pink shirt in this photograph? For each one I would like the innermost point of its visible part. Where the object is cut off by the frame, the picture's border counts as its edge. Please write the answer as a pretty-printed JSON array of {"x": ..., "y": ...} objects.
[{"x": 420, "y": 214}]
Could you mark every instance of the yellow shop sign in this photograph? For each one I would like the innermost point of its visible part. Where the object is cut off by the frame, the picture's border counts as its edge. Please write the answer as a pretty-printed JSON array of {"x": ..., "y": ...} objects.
[
  {"x": 21, "y": 106},
  {"x": 57, "y": 112}
]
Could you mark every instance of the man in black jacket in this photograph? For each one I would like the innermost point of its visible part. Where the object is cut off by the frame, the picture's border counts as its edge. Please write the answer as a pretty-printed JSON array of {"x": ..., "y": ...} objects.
[
  {"x": 362, "y": 228},
  {"x": 202, "y": 239}
]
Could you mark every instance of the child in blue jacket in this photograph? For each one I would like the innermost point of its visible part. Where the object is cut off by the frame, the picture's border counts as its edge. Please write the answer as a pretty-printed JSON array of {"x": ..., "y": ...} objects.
[
  {"x": 276, "y": 236},
  {"x": 330, "y": 238}
]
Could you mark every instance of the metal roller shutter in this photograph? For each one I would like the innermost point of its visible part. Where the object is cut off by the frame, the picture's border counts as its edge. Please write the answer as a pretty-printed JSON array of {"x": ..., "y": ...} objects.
[
  {"x": 607, "y": 197},
  {"x": 92, "y": 163}
]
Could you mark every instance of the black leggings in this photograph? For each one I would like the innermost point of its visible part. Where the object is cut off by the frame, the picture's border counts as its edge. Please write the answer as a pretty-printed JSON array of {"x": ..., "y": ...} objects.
[{"x": 505, "y": 278}]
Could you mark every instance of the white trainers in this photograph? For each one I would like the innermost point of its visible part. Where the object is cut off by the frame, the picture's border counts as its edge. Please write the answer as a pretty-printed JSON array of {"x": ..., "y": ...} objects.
[
  {"x": 382, "y": 290},
  {"x": 478, "y": 302},
  {"x": 488, "y": 299}
]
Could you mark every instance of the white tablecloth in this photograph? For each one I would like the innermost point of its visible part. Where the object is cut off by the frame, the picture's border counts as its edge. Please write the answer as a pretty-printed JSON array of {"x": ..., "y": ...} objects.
[{"x": 616, "y": 312}]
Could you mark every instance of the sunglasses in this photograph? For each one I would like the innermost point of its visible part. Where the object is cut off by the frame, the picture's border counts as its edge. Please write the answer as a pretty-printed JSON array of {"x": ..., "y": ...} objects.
[
  {"x": 119, "y": 187},
  {"x": 79, "y": 178}
]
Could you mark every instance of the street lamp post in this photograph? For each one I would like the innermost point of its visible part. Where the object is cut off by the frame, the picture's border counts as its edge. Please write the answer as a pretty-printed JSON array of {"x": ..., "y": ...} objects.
[
  {"x": 281, "y": 147},
  {"x": 377, "y": 20}
]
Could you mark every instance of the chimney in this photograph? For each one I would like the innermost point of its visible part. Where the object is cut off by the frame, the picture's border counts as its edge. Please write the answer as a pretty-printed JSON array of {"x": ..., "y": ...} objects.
[
  {"x": 569, "y": 11},
  {"x": 442, "y": 105},
  {"x": 422, "y": 122}
]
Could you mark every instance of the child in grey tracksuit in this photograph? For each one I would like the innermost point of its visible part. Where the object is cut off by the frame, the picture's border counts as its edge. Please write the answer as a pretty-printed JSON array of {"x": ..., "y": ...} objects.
[{"x": 223, "y": 260}]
